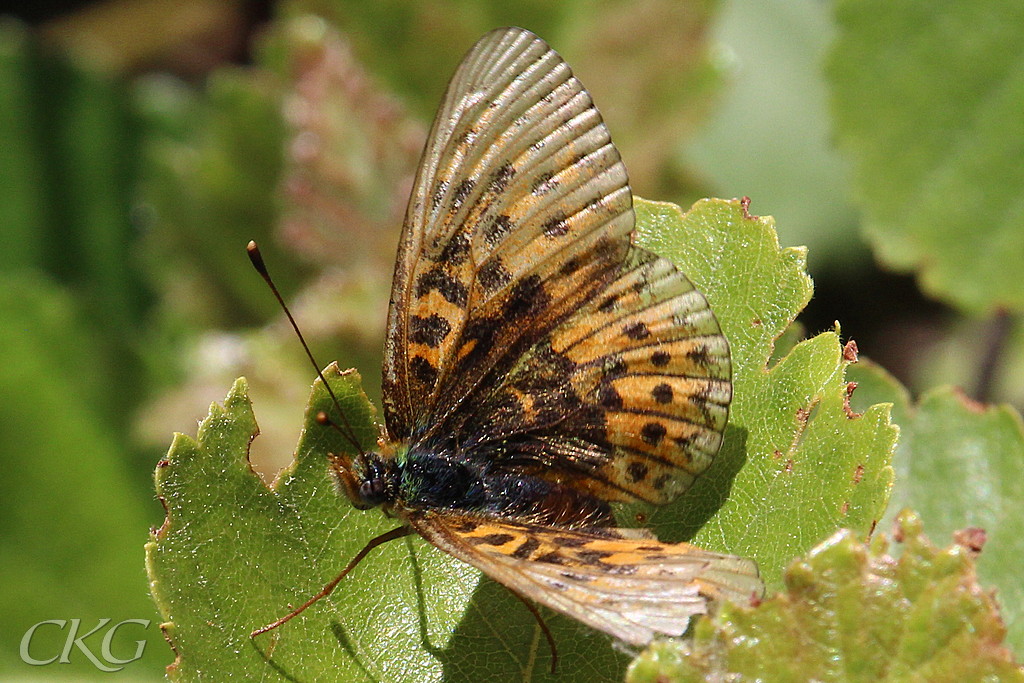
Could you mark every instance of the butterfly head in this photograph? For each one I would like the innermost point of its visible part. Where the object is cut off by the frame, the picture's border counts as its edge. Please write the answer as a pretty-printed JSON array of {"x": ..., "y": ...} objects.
[{"x": 366, "y": 479}]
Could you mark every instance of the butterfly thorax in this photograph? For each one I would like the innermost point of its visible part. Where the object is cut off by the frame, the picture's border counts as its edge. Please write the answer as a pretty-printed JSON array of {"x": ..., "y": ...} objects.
[{"x": 417, "y": 478}]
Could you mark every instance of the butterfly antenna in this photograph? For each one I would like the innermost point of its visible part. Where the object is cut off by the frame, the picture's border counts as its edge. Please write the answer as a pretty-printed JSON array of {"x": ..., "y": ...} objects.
[{"x": 345, "y": 428}]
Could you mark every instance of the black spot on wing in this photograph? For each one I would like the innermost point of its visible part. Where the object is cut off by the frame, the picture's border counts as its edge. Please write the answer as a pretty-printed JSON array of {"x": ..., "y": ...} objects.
[
  {"x": 544, "y": 183},
  {"x": 571, "y": 266},
  {"x": 554, "y": 557},
  {"x": 462, "y": 190},
  {"x": 637, "y": 471},
  {"x": 493, "y": 276},
  {"x": 430, "y": 330},
  {"x": 637, "y": 330},
  {"x": 438, "y": 196},
  {"x": 423, "y": 370},
  {"x": 457, "y": 249},
  {"x": 526, "y": 297},
  {"x": 451, "y": 289},
  {"x": 491, "y": 539},
  {"x": 526, "y": 549},
  {"x": 609, "y": 398},
  {"x": 613, "y": 366},
  {"x": 556, "y": 226},
  {"x": 660, "y": 358},
  {"x": 497, "y": 229},
  {"x": 502, "y": 177},
  {"x": 593, "y": 557},
  {"x": 662, "y": 393},
  {"x": 653, "y": 433}
]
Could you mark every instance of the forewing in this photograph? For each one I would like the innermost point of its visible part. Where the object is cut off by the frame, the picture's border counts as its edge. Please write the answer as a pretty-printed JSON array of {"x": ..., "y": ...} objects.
[
  {"x": 625, "y": 400},
  {"x": 519, "y": 213},
  {"x": 631, "y": 587}
]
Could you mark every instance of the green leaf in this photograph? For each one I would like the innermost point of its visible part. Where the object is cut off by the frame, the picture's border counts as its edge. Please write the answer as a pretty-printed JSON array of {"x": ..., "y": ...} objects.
[
  {"x": 796, "y": 465},
  {"x": 233, "y": 554},
  {"x": 851, "y": 612},
  {"x": 962, "y": 465},
  {"x": 927, "y": 102}
]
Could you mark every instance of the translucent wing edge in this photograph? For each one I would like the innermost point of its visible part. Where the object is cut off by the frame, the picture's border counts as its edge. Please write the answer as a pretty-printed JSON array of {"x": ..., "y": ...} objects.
[{"x": 655, "y": 594}]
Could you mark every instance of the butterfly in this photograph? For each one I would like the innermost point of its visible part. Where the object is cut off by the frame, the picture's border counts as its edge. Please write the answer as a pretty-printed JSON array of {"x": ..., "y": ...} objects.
[{"x": 539, "y": 367}]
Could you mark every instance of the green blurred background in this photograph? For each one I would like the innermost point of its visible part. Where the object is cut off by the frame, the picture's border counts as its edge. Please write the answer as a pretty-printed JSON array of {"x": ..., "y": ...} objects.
[{"x": 144, "y": 142}]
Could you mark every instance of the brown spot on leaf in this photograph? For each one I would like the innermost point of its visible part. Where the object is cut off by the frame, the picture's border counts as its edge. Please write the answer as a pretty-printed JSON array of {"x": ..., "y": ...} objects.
[
  {"x": 858, "y": 474},
  {"x": 969, "y": 403},
  {"x": 850, "y": 413},
  {"x": 850, "y": 352}
]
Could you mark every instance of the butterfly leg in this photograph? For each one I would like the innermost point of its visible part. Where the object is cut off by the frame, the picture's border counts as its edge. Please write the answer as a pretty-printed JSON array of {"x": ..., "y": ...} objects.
[
  {"x": 329, "y": 588},
  {"x": 543, "y": 627}
]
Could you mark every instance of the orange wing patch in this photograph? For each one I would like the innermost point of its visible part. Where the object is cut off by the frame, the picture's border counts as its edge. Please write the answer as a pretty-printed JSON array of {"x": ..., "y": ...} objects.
[{"x": 619, "y": 581}]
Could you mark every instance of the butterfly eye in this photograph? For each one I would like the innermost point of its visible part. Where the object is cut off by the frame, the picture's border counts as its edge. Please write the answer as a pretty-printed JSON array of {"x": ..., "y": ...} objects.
[
  {"x": 373, "y": 491},
  {"x": 374, "y": 482}
]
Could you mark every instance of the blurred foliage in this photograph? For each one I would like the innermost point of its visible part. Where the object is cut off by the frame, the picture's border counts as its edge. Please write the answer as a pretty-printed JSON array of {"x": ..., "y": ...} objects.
[
  {"x": 927, "y": 103},
  {"x": 126, "y": 201}
]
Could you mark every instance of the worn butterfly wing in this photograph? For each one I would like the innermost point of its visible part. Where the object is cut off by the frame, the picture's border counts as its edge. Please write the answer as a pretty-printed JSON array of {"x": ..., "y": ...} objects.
[
  {"x": 625, "y": 400},
  {"x": 520, "y": 213},
  {"x": 615, "y": 580}
]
